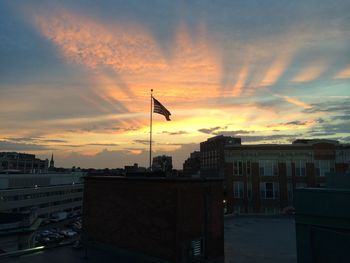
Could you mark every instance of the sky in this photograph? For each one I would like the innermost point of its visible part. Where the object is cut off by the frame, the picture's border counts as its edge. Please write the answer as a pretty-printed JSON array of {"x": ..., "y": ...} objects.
[{"x": 75, "y": 76}]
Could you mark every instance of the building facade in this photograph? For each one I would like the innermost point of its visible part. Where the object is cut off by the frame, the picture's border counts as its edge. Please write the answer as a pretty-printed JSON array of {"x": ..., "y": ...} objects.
[
  {"x": 163, "y": 163},
  {"x": 192, "y": 165},
  {"x": 22, "y": 162},
  {"x": 212, "y": 156},
  {"x": 262, "y": 178},
  {"x": 167, "y": 219},
  {"x": 49, "y": 193}
]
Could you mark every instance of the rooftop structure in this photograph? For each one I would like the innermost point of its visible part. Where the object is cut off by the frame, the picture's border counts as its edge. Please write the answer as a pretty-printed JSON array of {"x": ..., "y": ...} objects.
[{"x": 164, "y": 218}]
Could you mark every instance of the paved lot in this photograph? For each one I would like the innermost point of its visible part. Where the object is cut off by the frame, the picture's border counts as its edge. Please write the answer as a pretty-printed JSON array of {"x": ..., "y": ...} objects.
[{"x": 260, "y": 239}]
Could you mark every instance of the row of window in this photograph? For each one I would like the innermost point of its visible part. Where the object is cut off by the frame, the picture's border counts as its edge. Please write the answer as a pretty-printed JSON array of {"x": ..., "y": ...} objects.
[
  {"x": 270, "y": 167},
  {"x": 40, "y": 195},
  {"x": 268, "y": 190},
  {"x": 66, "y": 201},
  {"x": 238, "y": 209}
]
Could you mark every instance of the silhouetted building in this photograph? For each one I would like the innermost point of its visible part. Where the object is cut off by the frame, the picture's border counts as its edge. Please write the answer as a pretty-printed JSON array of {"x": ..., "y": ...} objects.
[
  {"x": 134, "y": 169},
  {"x": 163, "y": 163},
  {"x": 166, "y": 219},
  {"x": 52, "y": 164},
  {"x": 191, "y": 166},
  {"x": 212, "y": 155},
  {"x": 22, "y": 162},
  {"x": 262, "y": 178},
  {"x": 322, "y": 221}
]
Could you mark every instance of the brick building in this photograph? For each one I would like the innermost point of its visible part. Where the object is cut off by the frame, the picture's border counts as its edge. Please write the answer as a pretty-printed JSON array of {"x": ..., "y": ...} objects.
[
  {"x": 262, "y": 178},
  {"x": 168, "y": 219},
  {"x": 212, "y": 156}
]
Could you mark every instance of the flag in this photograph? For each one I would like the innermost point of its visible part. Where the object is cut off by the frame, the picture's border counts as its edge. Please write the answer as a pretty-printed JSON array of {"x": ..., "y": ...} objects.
[{"x": 160, "y": 109}]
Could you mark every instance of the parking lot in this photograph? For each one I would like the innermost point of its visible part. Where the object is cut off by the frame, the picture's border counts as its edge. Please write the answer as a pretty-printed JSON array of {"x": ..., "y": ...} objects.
[
  {"x": 263, "y": 239},
  {"x": 56, "y": 233}
]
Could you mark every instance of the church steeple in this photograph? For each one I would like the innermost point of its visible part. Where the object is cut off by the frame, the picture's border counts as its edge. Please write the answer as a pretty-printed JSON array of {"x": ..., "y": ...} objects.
[{"x": 52, "y": 162}]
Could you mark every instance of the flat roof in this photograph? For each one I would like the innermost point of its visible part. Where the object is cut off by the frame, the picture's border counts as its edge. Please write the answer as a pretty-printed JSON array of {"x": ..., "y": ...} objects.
[{"x": 154, "y": 179}]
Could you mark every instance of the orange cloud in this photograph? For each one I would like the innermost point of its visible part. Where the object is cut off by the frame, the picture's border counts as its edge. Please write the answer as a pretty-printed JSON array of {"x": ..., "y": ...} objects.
[
  {"x": 294, "y": 101},
  {"x": 239, "y": 85},
  {"x": 311, "y": 72},
  {"x": 343, "y": 74},
  {"x": 131, "y": 51},
  {"x": 274, "y": 72},
  {"x": 87, "y": 42}
]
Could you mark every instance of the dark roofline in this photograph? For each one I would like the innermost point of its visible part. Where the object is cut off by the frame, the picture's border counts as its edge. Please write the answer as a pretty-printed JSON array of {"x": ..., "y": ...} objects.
[{"x": 153, "y": 179}]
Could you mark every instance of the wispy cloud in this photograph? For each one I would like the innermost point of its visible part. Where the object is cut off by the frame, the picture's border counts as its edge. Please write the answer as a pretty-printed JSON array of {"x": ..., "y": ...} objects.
[
  {"x": 13, "y": 146},
  {"x": 211, "y": 130},
  {"x": 294, "y": 101},
  {"x": 175, "y": 133},
  {"x": 343, "y": 74},
  {"x": 310, "y": 73}
]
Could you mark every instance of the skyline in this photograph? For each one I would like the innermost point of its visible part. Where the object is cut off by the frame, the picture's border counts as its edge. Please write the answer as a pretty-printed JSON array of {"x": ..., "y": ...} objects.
[{"x": 75, "y": 78}]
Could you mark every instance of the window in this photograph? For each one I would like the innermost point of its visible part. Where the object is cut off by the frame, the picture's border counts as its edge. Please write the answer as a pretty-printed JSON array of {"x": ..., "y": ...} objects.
[
  {"x": 290, "y": 193},
  {"x": 196, "y": 247},
  {"x": 249, "y": 188},
  {"x": 248, "y": 167},
  {"x": 237, "y": 168},
  {"x": 289, "y": 168},
  {"x": 324, "y": 166},
  {"x": 238, "y": 189},
  {"x": 268, "y": 167},
  {"x": 300, "y": 167},
  {"x": 269, "y": 190}
]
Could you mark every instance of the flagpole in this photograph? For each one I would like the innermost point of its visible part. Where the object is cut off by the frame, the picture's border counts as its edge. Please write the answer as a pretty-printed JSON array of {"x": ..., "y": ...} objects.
[{"x": 150, "y": 133}]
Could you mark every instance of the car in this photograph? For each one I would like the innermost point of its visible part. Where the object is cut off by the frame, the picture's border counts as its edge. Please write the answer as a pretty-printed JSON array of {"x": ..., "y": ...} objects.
[
  {"x": 45, "y": 240},
  {"x": 71, "y": 233},
  {"x": 45, "y": 233}
]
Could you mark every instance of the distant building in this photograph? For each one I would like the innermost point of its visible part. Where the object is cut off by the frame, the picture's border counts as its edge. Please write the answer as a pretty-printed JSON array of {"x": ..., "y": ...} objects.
[
  {"x": 192, "y": 165},
  {"x": 262, "y": 178},
  {"x": 212, "y": 155},
  {"x": 162, "y": 163},
  {"x": 52, "y": 164},
  {"x": 132, "y": 169},
  {"x": 49, "y": 193},
  {"x": 22, "y": 162}
]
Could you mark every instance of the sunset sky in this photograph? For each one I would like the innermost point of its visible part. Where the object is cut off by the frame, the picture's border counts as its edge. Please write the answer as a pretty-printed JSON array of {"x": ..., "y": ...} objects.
[{"x": 75, "y": 76}]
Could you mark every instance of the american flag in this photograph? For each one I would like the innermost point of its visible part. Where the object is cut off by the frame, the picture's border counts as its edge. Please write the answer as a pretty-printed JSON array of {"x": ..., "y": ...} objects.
[{"x": 160, "y": 109}]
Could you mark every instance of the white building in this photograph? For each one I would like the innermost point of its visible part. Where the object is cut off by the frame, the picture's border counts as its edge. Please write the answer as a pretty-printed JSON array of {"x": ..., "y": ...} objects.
[{"x": 50, "y": 193}]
